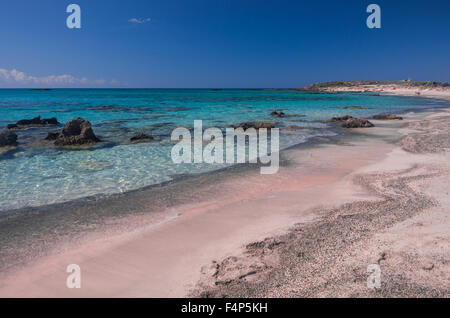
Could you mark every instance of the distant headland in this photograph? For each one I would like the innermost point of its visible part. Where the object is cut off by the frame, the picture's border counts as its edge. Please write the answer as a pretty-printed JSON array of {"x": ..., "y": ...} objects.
[{"x": 403, "y": 87}]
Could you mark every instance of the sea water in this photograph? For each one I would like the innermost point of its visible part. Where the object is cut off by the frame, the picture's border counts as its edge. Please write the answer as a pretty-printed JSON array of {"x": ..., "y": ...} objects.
[{"x": 37, "y": 173}]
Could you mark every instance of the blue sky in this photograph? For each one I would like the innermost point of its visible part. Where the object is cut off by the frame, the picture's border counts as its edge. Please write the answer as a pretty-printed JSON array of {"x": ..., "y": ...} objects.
[{"x": 218, "y": 43}]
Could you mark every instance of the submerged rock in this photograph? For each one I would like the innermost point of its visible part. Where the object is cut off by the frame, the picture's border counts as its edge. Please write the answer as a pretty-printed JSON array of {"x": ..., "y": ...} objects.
[
  {"x": 357, "y": 123},
  {"x": 339, "y": 119},
  {"x": 387, "y": 117},
  {"x": 281, "y": 114},
  {"x": 50, "y": 121},
  {"x": 354, "y": 107},
  {"x": 141, "y": 137},
  {"x": 351, "y": 122},
  {"x": 277, "y": 114},
  {"x": 255, "y": 124},
  {"x": 8, "y": 138},
  {"x": 52, "y": 136},
  {"x": 35, "y": 122},
  {"x": 76, "y": 132}
]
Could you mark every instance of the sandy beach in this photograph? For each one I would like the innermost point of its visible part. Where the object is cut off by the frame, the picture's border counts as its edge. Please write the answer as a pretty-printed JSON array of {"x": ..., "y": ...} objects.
[
  {"x": 393, "y": 89},
  {"x": 404, "y": 230},
  {"x": 215, "y": 157},
  {"x": 378, "y": 196}
]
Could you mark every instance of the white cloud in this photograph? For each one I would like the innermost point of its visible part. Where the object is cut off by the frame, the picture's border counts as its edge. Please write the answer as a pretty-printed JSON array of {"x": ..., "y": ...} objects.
[
  {"x": 139, "y": 20},
  {"x": 18, "y": 78}
]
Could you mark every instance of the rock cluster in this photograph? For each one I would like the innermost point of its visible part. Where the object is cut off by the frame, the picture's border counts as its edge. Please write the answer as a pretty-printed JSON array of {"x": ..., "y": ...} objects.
[
  {"x": 255, "y": 124},
  {"x": 339, "y": 119},
  {"x": 351, "y": 122},
  {"x": 8, "y": 138},
  {"x": 357, "y": 123},
  {"x": 387, "y": 117},
  {"x": 35, "y": 122}
]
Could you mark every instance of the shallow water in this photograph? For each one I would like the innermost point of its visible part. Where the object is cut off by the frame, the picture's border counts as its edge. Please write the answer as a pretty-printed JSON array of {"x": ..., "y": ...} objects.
[{"x": 37, "y": 173}]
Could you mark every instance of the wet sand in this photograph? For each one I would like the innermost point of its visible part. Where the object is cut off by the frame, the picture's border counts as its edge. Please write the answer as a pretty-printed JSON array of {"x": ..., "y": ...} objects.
[{"x": 310, "y": 230}]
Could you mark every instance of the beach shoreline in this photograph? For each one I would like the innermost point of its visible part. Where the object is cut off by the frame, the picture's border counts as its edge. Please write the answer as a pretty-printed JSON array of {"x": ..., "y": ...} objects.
[
  {"x": 176, "y": 257},
  {"x": 404, "y": 232},
  {"x": 117, "y": 165},
  {"x": 401, "y": 88}
]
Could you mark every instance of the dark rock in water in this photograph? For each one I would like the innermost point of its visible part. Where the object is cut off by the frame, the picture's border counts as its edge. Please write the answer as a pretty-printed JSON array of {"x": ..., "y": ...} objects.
[
  {"x": 357, "y": 123},
  {"x": 277, "y": 114},
  {"x": 354, "y": 107},
  {"x": 338, "y": 119},
  {"x": 26, "y": 122},
  {"x": 387, "y": 117},
  {"x": 76, "y": 132},
  {"x": 35, "y": 122},
  {"x": 255, "y": 124},
  {"x": 351, "y": 122},
  {"x": 294, "y": 115},
  {"x": 8, "y": 138},
  {"x": 52, "y": 136},
  {"x": 49, "y": 121},
  {"x": 141, "y": 137}
]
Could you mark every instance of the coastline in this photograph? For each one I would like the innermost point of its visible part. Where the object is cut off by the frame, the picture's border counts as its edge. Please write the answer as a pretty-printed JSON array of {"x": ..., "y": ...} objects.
[
  {"x": 118, "y": 166},
  {"x": 179, "y": 250},
  {"x": 404, "y": 231},
  {"x": 390, "y": 89}
]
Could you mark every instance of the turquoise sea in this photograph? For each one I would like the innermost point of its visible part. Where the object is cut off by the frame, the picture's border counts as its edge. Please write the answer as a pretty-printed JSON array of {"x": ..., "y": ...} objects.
[{"x": 37, "y": 173}]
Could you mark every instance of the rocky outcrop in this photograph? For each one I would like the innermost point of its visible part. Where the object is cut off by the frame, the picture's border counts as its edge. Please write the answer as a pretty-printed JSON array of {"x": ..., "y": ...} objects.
[
  {"x": 140, "y": 137},
  {"x": 35, "y": 122},
  {"x": 75, "y": 133},
  {"x": 255, "y": 124},
  {"x": 357, "y": 123},
  {"x": 387, "y": 117},
  {"x": 8, "y": 138},
  {"x": 354, "y": 107}
]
